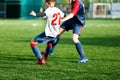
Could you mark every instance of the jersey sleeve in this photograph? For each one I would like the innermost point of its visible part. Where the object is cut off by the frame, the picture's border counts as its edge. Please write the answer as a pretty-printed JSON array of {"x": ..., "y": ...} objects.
[
  {"x": 46, "y": 12},
  {"x": 62, "y": 14},
  {"x": 40, "y": 14},
  {"x": 75, "y": 7}
]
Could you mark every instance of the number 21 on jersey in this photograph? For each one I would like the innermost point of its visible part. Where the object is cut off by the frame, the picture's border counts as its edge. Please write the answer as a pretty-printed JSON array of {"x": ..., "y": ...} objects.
[{"x": 56, "y": 19}]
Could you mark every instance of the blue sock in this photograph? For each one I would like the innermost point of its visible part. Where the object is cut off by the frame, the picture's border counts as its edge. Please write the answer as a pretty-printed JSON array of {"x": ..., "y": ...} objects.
[
  {"x": 50, "y": 49},
  {"x": 37, "y": 52},
  {"x": 80, "y": 49}
]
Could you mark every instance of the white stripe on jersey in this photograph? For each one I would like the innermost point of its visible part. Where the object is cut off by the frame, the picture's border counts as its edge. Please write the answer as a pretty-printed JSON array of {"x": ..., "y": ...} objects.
[{"x": 53, "y": 21}]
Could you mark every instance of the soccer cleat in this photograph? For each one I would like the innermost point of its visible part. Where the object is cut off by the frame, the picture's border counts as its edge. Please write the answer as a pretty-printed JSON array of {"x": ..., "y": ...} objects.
[
  {"x": 45, "y": 55},
  {"x": 84, "y": 60},
  {"x": 41, "y": 61}
]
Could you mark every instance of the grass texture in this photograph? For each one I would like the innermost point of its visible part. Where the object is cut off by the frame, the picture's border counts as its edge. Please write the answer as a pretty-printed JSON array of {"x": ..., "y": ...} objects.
[{"x": 101, "y": 43}]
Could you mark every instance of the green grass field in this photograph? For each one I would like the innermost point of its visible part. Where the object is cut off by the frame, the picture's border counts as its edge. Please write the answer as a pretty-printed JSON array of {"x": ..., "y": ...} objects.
[{"x": 101, "y": 43}]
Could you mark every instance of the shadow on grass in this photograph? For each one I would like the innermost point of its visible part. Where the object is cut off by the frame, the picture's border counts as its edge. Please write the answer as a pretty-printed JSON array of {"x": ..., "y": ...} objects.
[
  {"x": 105, "y": 60},
  {"x": 26, "y": 59},
  {"x": 16, "y": 59},
  {"x": 22, "y": 41},
  {"x": 63, "y": 59},
  {"x": 31, "y": 60},
  {"x": 99, "y": 41},
  {"x": 75, "y": 60}
]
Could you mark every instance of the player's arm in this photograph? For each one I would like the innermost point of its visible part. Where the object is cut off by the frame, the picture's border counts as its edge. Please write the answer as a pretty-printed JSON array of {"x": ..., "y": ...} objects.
[
  {"x": 40, "y": 14},
  {"x": 67, "y": 17},
  {"x": 73, "y": 11},
  {"x": 32, "y": 13}
]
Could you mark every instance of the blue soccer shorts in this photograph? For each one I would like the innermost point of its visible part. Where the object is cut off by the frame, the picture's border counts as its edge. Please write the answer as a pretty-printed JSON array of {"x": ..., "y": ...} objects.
[
  {"x": 42, "y": 38},
  {"x": 74, "y": 24}
]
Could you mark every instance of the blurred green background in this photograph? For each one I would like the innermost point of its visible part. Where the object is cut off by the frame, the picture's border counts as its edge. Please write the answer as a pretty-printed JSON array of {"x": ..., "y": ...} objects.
[{"x": 94, "y": 8}]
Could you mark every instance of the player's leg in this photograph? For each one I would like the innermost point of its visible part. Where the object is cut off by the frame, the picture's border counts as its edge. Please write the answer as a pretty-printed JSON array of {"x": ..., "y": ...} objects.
[
  {"x": 37, "y": 52},
  {"x": 79, "y": 48},
  {"x": 78, "y": 45},
  {"x": 50, "y": 48},
  {"x": 52, "y": 44},
  {"x": 55, "y": 42},
  {"x": 35, "y": 49},
  {"x": 48, "y": 51},
  {"x": 66, "y": 26},
  {"x": 61, "y": 31}
]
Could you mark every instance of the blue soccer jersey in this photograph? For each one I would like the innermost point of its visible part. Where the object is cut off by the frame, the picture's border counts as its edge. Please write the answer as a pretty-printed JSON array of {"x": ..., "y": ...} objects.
[
  {"x": 78, "y": 19},
  {"x": 78, "y": 10}
]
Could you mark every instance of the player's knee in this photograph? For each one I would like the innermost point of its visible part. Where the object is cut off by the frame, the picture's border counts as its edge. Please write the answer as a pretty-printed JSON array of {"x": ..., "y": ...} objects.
[
  {"x": 75, "y": 40},
  {"x": 49, "y": 44},
  {"x": 33, "y": 43}
]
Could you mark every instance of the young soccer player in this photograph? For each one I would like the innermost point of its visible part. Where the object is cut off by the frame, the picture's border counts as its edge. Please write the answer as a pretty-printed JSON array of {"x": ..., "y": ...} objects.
[
  {"x": 75, "y": 21},
  {"x": 53, "y": 15}
]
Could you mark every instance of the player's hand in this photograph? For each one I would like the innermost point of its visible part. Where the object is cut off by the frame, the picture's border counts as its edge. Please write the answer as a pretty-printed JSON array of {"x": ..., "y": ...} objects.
[{"x": 32, "y": 13}]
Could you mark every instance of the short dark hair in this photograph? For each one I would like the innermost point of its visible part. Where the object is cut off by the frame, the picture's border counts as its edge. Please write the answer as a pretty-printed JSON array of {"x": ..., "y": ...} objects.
[{"x": 48, "y": 1}]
